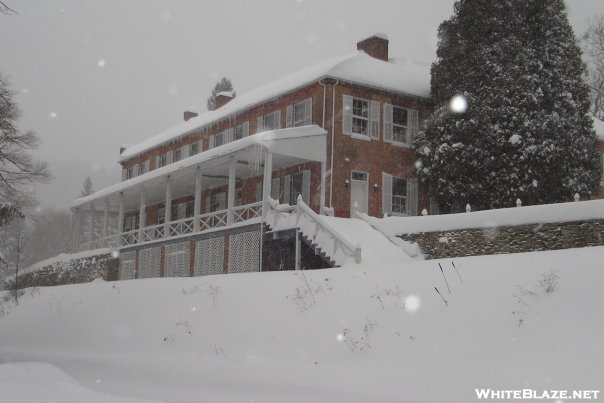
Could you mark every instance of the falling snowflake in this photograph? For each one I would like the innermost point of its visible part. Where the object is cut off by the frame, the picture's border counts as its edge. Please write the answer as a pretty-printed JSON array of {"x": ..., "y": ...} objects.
[
  {"x": 412, "y": 303},
  {"x": 115, "y": 253},
  {"x": 458, "y": 104},
  {"x": 101, "y": 63},
  {"x": 53, "y": 115},
  {"x": 340, "y": 337}
]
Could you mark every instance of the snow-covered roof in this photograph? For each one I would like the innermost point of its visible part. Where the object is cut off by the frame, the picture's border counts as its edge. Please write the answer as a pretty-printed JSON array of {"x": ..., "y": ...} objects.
[
  {"x": 397, "y": 75},
  {"x": 226, "y": 94},
  {"x": 380, "y": 35},
  {"x": 598, "y": 127},
  {"x": 281, "y": 140}
]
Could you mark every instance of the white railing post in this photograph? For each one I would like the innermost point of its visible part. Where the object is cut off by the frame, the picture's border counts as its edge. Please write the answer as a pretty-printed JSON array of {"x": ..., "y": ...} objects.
[
  {"x": 168, "y": 208},
  {"x": 231, "y": 193},
  {"x": 322, "y": 194},
  {"x": 197, "y": 207},
  {"x": 357, "y": 253},
  {"x": 120, "y": 219},
  {"x": 142, "y": 216},
  {"x": 267, "y": 182}
]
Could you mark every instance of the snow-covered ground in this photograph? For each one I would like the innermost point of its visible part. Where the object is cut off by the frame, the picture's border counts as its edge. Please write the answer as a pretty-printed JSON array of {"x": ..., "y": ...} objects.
[{"x": 364, "y": 333}]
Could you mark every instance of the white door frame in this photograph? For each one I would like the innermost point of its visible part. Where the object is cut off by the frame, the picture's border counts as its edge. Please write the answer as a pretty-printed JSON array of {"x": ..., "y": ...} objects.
[{"x": 359, "y": 184}]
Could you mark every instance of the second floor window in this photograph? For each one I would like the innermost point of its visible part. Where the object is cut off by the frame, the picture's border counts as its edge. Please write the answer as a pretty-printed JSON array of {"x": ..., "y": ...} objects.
[
  {"x": 130, "y": 172},
  {"x": 299, "y": 114},
  {"x": 361, "y": 117},
  {"x": 242, "y": 131},
  {"x": 220, "y": 139},
  {"x": 163, "y": 160},
  {"x": 194, "y": 148},
  {"x": 400, "y": 124},
  {"x": 270, "y": 121},
  {"x": 176, "y": 155},
  {"x": 141, "y": 168}
]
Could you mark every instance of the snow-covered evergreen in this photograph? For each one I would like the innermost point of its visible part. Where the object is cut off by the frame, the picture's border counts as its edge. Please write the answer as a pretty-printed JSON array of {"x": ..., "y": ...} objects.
[
  {"x": 223, "y": 85},
  {"x": 526, "y": 133}
]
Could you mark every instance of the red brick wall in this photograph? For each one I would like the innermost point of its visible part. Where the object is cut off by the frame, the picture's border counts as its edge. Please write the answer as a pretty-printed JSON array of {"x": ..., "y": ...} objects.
[{"x": 350, "y": 154}]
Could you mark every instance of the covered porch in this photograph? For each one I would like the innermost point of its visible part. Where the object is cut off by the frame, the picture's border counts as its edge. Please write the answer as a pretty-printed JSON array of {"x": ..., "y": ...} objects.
[{"x": 223, "y": 187}]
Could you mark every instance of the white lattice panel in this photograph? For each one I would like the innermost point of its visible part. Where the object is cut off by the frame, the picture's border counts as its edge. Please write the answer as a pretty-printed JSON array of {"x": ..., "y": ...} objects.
[
  {"x": 209, "y": 256},
  {"x": 127, "y": 265},
  {"x": 244, "y": 252},
  {"x": 177, "y": 259},
  {"x": 148, "y": 262}
]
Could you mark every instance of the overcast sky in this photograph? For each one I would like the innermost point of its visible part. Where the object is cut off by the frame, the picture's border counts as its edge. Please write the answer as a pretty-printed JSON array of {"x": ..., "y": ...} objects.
[{"x": 92, "y": 75}]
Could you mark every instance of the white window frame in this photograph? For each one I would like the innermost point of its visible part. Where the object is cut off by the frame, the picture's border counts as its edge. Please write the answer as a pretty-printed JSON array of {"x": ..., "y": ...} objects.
[
  {"x": 176, "y": 155},
  {"x": 130, "y": 172},
  {"x": 389, "y": 125},
  {"x": 276, "y": 116},
  {"x": 196, "y": 146},
  {"x": 372, "y": 118},
  {"x": 243, "y": 129},
  {"x": 398, "y": 197},
  {"x": 163, "y": 160},
  {"x": 223, "y": 136}
]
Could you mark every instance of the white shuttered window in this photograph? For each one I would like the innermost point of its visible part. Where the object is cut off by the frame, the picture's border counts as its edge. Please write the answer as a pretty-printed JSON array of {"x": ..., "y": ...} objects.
[
  {"x": 361, "y": 117},
  {"x": 399, "y": 195}
]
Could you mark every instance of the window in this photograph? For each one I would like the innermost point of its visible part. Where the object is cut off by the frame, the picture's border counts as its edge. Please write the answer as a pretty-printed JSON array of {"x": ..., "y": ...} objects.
[
  {"x": 400, "y": 123},
  {"x": 399, "y": 195},
  {"x": 161, "y": 215},
  {"x": 189, "y": 209},
  {"x": 163, "y": 160},
  {"x": 269, "y": 121},
  {"x": 361, "y": 117},
  {"x": 141, "y": 168},
  {"x": 275, "y": 188},
  {"x": 220, "y": 138},
  {"x": 194, "y": 148},
  {"x": 295, "y": 187},
  {"x": 217, "y": 202},
  {"x": 130, "y": 172},
  {"x": 131, "y": 223},
  {"x": 176, "y": 155},
  {"x": 299, "y": 114},
  {"x": 242, "y": 131}
]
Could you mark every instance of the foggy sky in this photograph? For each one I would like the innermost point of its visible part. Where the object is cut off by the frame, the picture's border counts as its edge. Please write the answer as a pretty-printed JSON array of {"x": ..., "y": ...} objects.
[{"x": 93, "y": 75}]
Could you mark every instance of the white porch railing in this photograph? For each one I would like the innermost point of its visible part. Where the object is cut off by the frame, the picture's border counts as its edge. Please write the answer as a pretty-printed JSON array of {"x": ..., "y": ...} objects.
[
  {"x": 314, "y": 226},
  {"x": 175, "y": 228}
]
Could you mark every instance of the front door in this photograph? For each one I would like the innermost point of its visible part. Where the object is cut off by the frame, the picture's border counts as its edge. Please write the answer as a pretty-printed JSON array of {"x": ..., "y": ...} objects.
[{"x": 359, "y": 187}]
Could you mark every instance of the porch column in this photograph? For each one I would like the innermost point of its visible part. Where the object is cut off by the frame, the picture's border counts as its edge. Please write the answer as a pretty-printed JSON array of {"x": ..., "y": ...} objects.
[
  {"x": 322, "y": 197},
  {"x": 266, "y": 186},
  {"x": 142, "y": 215},
  {"x": 231, "y": 193},
  {"x": 91, "y": 225},
  {"x": 105, "y": 218},
  {"x": 168, "y": 209},
  {"x": 120, "y": 219},
  {"x": 197, "y": 206}
]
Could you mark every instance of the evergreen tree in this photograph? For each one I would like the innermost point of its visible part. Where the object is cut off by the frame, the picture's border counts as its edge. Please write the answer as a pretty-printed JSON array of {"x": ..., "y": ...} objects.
[
  {"x": 525, "y": 133},
  {"x": 223, "y": 85},
  {"x": 87, "y": 188}
]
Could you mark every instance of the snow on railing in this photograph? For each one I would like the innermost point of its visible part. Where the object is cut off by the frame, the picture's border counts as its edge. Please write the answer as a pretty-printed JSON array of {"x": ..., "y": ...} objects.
[
  {"x": 313, "y": 226},
  {"x": 247, "y": 212}
]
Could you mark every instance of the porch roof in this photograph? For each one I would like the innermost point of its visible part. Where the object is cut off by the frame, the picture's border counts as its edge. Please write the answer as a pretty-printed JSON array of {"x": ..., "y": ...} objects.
[{"x": 289, "y": 147}]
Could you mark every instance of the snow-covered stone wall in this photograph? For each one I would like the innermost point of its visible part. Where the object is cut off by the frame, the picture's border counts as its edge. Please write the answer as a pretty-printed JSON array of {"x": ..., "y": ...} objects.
[
  {"x": 508, "y": 239},
  {"x": 69, "y": 269}
]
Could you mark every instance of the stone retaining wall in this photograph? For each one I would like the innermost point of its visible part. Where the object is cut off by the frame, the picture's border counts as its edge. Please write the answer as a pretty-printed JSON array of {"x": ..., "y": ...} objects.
[
  {"x": 82, "y": 270},
  {"x": 511, "y": 239}
]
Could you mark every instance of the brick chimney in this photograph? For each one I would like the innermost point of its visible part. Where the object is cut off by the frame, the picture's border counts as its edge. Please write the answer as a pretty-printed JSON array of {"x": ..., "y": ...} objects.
[
  {"x": 375, "y": 46},
  {"x": 222, "y": 98},
  {"x": 189, "y": 114}
]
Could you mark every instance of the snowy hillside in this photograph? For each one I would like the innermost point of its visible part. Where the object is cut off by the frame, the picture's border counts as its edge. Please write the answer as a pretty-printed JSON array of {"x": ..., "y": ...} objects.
[{"x": 352, "y": 334}]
